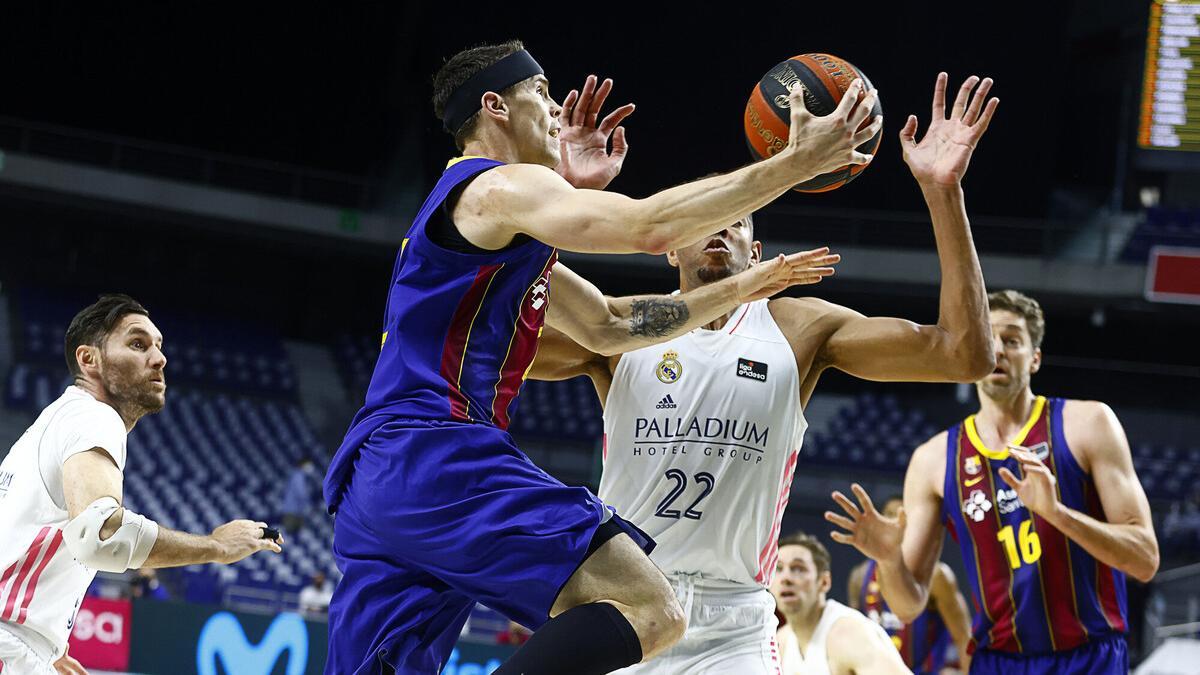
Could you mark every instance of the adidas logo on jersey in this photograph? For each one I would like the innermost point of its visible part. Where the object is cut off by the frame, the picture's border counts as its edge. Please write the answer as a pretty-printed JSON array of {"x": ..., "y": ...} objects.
[{"x": 667, "y": 403}]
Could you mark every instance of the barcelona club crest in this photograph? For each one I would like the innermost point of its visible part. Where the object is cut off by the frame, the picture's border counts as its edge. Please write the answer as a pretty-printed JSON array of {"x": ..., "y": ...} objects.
[
  {"x": 669, "y": 370},
  {"x": 971, "y": 465}
]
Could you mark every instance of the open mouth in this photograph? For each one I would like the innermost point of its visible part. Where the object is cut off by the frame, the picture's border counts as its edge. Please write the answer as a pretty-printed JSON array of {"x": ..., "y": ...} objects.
[{"x": 716, "y": 246}]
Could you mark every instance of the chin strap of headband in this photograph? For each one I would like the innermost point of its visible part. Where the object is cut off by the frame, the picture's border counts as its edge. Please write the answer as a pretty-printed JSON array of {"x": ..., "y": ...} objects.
[{"x": 499, "y": 76}]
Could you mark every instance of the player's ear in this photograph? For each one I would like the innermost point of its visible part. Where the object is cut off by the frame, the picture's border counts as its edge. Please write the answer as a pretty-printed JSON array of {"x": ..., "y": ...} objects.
[
  {"x": 756, "y": 252},
  {"x": 1037, "y": 361},
  {"x": 88, "y": 358},
  {"x": 673, "y": 258},
  {"x": 826, "y": 581},
  {"x": 492, "y": 105}
]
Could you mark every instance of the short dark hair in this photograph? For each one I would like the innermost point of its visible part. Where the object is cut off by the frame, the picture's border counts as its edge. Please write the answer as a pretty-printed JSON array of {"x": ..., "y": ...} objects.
[
  {"x": 460, "y": 68},
  {"x": 93, "y": 323},
  {"x": 1019, "y": 303},
  {"x": 820, "y": 554}
]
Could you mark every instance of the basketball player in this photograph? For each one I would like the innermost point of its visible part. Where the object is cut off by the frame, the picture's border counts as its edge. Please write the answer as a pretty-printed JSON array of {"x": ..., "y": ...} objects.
[
  {"x": 60, "y": 491},
  {"x": 1044, "y": 502},
  {"x": 703, "y": 432},
  {"x": 436, "y": 507},
  {"x": 820, "y": 636},
  {"x": 925, "y": 641}
]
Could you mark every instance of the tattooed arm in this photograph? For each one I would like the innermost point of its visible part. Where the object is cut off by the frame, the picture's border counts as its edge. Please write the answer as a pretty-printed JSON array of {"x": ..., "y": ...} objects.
[{"x": 606, "y": 326}]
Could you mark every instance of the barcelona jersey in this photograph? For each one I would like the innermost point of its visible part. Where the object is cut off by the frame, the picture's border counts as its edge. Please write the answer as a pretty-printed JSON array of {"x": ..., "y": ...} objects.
[
  {"x": 1034, "y": 590},
  {"x": 460, "y": 330},
  {"x": 923, "y": 644}
]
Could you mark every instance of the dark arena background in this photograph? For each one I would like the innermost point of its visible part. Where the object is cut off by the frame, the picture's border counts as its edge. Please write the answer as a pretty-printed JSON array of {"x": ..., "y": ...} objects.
[{"x": 248, "y": 173}]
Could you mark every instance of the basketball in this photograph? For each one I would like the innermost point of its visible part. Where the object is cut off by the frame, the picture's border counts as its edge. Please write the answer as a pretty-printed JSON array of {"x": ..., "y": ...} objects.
[{"x": 825, "y": 78}]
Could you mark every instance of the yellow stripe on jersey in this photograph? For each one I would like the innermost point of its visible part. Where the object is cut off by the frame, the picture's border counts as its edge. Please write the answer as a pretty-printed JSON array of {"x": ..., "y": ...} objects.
[
  {"x": 456, "y": 160},
  {"x": 1038, "y": 405}
]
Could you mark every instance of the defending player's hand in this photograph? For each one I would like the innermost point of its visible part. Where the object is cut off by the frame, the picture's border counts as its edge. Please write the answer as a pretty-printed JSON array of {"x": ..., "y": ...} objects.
[
  {"x": 872, "y": 533},
  {"x": 585, "y": 160},
  {"x": 822, "y": 144},
  {"x": 240, "y": 538},
  {"x": 771, "y": 276},
  {"x": 1036, "y": 487},
  {"x": 942, "y": 156},
  {"x": 67, "y": 665}
]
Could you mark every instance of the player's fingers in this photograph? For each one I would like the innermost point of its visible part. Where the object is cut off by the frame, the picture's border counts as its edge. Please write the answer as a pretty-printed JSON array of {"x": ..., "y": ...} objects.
[
  {"x": 939, "y": 97},
  {"x": 799, "y": 111},
  {"x": 849, "y": 99},
  {"x": 977, "y": 100},
  {"x": 614, "y": 118},
  {"x": 863, "y": 498},
  {"x": 868, "y": 132},
  {"x": 568, "y": 105},
  {"x": 806, "y": 257},
  {"x": 841, "y": 521},
  {"x": 986, "y": 118},
  {"x": 1008, "y": 477},
  {"x": 908, "y": 133},
  {"x": 847, "y": 505},
  {"x": 863, "y": 109},
  {"x": 860, "y": 158},
  {"x": 598, "y": 99},
  {"x": 619, "y": 146},
  {"x": 841, "y": 538},
  {"x": 960, "y": 100},
  {"x": 579, "y": 115}
]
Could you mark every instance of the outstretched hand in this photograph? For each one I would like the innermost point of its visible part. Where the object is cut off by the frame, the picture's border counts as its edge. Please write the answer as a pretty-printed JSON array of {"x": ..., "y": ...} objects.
[
  {"x": 942, "y": 155},
  {"x": 585, "y": 159},
  {"x": 772, "y": 276},
  {"x": 875, "y": 535}
]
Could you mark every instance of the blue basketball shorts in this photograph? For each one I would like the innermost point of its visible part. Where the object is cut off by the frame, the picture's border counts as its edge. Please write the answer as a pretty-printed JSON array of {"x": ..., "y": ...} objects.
[
  {"x": 1107, "y": 655},
  {"x": 437, "y": 516}
]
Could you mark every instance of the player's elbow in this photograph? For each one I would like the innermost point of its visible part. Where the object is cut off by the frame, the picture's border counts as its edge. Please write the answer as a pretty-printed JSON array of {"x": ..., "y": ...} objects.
[
  {"x": 970, "y": 362},
  {"x": 1146, "y": 565}
]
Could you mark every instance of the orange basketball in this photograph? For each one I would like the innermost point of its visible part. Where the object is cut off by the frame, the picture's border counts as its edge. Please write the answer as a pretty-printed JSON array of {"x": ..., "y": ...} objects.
[{"x": 825, "y": 79}]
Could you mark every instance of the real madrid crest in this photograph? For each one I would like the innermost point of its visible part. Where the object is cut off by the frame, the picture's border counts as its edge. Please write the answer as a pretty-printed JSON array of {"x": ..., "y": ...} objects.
[{"x": 669, "y": 370}]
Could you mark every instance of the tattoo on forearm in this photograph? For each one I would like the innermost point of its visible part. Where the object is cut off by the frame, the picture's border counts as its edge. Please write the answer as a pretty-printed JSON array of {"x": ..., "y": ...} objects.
[{"x": 657, "y": 317}]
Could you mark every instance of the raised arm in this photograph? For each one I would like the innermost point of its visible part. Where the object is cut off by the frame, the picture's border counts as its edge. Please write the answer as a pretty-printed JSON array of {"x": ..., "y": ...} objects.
[
  {"x": 958, "y": 347},
  {"x": 1125, "y": 538},
  {"x": 907, "y": 547},
  {"x": 608, "y": 326},
  {"x": 948, "y": 599},
  {"x": 534, "y": 200},
  {"x": 104, "y": 535}
]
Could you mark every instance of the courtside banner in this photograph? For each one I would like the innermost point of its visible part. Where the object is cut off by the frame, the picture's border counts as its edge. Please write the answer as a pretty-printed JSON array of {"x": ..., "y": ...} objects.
[
  {"x": 100, "y": 636},
  {"x": 177, "y": 638},
  {"x": 1173, "y": 275}
]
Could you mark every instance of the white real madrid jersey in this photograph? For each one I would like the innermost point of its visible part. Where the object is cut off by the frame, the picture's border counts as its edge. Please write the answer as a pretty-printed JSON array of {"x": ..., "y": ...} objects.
[
  {"x": 41, "y": 583},
  {"x": 702, "y": 434},
  {"x": 815, "y": 659}
]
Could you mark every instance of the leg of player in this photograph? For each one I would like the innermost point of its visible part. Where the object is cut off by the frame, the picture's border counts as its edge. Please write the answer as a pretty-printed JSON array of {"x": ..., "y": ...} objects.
[{"x": 615, "y": 611}]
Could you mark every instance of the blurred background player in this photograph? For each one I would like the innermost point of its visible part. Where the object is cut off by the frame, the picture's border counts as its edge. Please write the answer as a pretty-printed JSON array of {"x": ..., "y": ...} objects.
[
  {"x": 1043, "y": 499},
  {"x": 703, "y": 433},
  {"x": 476, "y": 520},
  {"x": 62, "y": 517},
  {"x": 937, "y": 640},
  {"x": 821, "y": 636}
]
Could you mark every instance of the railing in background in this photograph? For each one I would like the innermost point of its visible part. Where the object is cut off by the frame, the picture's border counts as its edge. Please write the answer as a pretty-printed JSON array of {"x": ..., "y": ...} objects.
[
  {"x": 1174, "y": 606},
  {"x": 187, "y": 164}
]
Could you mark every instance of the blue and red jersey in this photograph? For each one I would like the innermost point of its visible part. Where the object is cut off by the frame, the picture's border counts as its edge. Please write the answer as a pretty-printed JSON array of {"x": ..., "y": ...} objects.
[
  {"x": 923, "y": 644},
  {"x": 1034, "y": 590},
  {"x": 460, "y": 330}
]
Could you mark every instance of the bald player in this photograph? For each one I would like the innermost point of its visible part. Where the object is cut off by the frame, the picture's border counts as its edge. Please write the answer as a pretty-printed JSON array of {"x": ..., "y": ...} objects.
[{"x": 703, "y": 432}]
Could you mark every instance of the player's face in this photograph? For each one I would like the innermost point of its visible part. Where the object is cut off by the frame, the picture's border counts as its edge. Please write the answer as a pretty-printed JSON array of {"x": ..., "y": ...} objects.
[
  {"x": 722, "y": 255},
  {"x": 132, "y": 363},
  {"x": 798, "y": 586},
  {"x": 1016, "y": 359},
  {"x": 533, "y": 121}
]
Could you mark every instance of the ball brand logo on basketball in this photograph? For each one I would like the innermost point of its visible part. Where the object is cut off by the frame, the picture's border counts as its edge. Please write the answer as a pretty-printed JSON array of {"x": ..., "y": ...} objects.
[
  {"x": 784, "y": 75},
  {"x": 773, "y": 143},
  {"x": 669, "y": 370}
]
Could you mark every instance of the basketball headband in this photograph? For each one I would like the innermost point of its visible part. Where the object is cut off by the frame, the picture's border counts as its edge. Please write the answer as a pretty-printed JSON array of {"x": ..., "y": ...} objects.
[{"x": 499, "y": 76}]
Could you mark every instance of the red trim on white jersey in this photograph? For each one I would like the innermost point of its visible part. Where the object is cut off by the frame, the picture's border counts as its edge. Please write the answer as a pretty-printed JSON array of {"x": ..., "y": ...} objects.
[
  {"x": 739, "y": 321},
  {"x": 37, "y": 573},
  {"x": 775, "y": 657},
  {"x": 770, "y": 552},
  {"x": 26, "y": 563}
]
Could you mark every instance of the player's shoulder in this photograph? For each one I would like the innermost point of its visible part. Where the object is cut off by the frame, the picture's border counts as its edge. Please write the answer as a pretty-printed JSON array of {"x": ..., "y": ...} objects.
[
  {"x": 932, "y": 448},
  {"x": 1081, "y": 411},
  {"x": 852, "y": 630},
  {"x": 806, "y": 312},
  {"x": 80, "y": 408},
  {"x": 1091, "y": 427}
]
